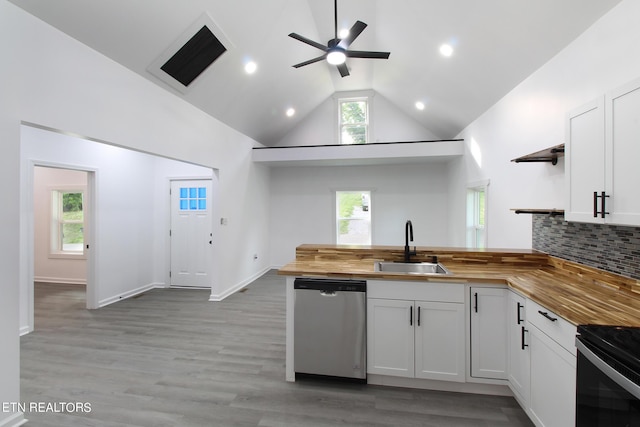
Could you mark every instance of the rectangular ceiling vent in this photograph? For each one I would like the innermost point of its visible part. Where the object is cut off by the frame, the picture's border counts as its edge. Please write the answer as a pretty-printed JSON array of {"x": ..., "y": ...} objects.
[{"x": 191, "y": 54}]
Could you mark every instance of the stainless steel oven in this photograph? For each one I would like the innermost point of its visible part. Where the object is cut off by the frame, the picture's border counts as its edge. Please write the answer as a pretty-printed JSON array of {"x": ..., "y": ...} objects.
[{"x": 608, "y": 376}]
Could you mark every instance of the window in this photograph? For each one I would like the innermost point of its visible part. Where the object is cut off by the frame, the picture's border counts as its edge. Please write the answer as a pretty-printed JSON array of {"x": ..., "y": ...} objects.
[
  {"x": 193, "y": 199},
  {"x": 353, "y": 217},
  {"x": 476, "y": 216},
  {"x": 67, "y": 222},
  {"x": 354, "y": 120}
]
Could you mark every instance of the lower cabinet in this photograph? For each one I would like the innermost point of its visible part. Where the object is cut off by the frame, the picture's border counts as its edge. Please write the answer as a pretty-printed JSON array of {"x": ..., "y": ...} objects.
[
  {"x": 518, "y": 351},
  {"x": 416, "y": 339},
  {"x": 552, "y": 401},
  {"x": 488, "y": 312}
]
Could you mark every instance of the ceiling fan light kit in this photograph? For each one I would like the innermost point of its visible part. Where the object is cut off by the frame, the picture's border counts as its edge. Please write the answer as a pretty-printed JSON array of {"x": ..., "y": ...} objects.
[{"x": 337, "y": 50}]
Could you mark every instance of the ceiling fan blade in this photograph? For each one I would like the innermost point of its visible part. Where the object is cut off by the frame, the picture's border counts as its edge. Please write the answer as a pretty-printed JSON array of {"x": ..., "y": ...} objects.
[
  {"x": 308, "y": 41},
  {"x": 354, "y": 32},
  {"x": 367, "y": 54},
  {"x": 344, "y": 71},
  {"x": 311, "y": 61}
]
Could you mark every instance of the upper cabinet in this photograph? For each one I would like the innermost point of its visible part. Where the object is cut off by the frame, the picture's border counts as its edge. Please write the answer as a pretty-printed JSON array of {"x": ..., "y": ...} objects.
[{"x": 602, "y": 149}]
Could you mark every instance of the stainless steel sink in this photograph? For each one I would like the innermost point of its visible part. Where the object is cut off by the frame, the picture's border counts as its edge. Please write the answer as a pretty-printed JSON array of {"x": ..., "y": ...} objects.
[{"x": 410, "y": 267}]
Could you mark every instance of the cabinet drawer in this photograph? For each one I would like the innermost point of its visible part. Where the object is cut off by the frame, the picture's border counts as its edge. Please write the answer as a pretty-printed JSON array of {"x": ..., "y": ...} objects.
[
  {"x": 408, "y": 290},
  {"x": 558, "y": 329}
]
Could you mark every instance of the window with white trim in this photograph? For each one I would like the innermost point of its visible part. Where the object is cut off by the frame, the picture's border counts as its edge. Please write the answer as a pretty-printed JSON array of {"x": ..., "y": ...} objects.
[
  {"x": 353, "y": 120},
  {"x": 67, "y": 222},
  {"x": 353, "y": 217},
  {"x": 477, "y": 216}
]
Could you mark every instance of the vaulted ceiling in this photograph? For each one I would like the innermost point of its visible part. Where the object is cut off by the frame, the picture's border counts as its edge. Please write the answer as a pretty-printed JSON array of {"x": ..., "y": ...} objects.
[{"x": 497, "y": 44}]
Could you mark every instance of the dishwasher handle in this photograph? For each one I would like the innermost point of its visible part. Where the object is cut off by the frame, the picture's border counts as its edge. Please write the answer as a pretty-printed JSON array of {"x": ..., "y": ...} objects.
[{"x": 328, "y": 293}]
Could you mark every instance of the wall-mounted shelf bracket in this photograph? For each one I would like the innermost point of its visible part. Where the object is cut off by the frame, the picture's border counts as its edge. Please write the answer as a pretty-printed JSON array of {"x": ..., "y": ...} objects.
[
  {"x": 551, "y": 212},
  {"x": 550, "y": 154}
]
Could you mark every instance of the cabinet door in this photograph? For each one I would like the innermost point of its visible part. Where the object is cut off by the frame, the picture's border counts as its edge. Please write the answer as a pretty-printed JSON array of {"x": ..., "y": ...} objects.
[
  {"x": 439, "y": 332},
  {"x": 390, "y": 337},
  {"x": 553, "y": 382},
  {"x": 489, "y": 332},
  {"x": 519, "y": 362},
  {"x": 622, "y": 154},
  {"x": 584, "y": 160}
]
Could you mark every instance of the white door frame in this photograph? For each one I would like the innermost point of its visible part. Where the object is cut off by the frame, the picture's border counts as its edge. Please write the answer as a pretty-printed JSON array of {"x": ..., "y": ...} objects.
[
  {"x": 214, "y": 214},
  {"x": 91, "y": 257}
]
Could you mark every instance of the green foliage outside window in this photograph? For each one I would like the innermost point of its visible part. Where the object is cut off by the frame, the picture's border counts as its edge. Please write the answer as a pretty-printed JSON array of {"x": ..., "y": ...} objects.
[
  {"x": 353, "y": 122},
  {"x": 73, "y": 217}
]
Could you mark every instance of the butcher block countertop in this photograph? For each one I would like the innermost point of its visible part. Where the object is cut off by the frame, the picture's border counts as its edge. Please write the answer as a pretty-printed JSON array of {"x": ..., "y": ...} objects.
[{"x": 580, "y": 294}]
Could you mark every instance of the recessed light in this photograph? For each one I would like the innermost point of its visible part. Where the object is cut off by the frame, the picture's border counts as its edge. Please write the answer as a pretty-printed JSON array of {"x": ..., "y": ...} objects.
[
  {"x": 420, "y": 105},
  {"x": 250, "y": 67},
  {"x": 446, "y": 50},
  {"x": 290, "y": 112},
  {"x": 343, "y": 33}
]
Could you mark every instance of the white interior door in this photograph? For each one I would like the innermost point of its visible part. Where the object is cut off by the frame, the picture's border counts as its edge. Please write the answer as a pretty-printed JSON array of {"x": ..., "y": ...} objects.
[{"x": 191, "y": 233}]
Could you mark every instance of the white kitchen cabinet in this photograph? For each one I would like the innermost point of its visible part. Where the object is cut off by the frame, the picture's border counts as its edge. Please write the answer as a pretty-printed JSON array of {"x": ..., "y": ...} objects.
[
  {"x": 600, "y": 159},
  {"x": 552, "y": 401},
  {"x": 416, "y": 330},
  {"x": 390, "y": 337},
  {"x": 518, "y": 349},
  {"x": 584, "y": 160},
  {"x": 622, "y": 151},
  {"x": 489, "y": 332},
  {"x": 439, "y": 332},
  {"x": 416, "y": 339}
]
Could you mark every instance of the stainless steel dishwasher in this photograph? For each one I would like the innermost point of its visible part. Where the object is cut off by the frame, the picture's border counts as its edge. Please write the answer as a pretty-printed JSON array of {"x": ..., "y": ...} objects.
[{"x": 330, "y": 327}]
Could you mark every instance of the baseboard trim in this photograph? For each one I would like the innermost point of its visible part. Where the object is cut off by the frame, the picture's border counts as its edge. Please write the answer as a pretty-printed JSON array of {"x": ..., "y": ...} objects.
[
  {"x": 129, "y": 294},
  {"x": 14, "y": 420},
  {"x": 24, "y": 330},
  {"x": 219, "y": 297},
  {"x": 60, "y": 280}
]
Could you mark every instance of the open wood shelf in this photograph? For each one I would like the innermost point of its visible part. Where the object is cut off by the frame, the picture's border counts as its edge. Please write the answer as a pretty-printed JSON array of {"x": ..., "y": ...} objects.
[
  {"x": 550, "y": 154},
  {"x": 552, "y": 212}
]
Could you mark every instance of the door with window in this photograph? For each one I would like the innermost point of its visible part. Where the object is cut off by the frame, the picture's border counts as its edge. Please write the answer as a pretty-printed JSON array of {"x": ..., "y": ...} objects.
[{"x": 191, "y": 233}]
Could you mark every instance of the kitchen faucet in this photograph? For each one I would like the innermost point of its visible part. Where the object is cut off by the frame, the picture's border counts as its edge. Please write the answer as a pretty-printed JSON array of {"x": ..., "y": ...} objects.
[{"x": 408, "y": 237}]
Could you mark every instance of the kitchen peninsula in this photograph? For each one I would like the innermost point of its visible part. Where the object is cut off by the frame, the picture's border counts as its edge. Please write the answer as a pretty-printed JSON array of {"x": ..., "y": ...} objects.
[{"x": 521, "y": 341}]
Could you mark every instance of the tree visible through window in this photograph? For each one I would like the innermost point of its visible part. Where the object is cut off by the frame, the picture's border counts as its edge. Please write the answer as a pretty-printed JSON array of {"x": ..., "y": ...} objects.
[
  {"x": 67, "y": 231},
  {"x": 354, "y": 121},
  {"x": 353, "y": 217}
]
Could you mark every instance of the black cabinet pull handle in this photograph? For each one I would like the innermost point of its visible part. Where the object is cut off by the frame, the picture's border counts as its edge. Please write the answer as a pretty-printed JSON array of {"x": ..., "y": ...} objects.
[
  {"x": 418, "y": 315},
  {"x": 475, "y": 304},
  {"x": 523, "y": 331},
  {"x": 520, "y": 306},
  {"x": 603, "y": 211},
  {"x": 545, "y": 314},
  {"x": 411, "y": 315}
]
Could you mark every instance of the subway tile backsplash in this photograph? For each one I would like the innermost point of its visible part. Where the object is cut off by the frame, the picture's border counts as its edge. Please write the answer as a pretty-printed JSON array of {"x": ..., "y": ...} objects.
[{"x": 608, "y": 247}]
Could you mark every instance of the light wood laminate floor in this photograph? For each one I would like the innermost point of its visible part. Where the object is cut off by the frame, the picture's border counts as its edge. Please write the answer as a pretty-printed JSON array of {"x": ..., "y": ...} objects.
[{"x": 169, "y": 357}]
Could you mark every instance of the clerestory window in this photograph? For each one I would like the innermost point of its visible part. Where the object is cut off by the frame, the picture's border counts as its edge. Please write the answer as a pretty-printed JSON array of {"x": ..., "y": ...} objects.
[{"x": 354, "y": 120}]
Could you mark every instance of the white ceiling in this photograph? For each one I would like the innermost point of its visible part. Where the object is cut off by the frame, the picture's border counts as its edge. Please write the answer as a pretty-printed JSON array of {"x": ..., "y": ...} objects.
[{"x": 498, "y": 43}]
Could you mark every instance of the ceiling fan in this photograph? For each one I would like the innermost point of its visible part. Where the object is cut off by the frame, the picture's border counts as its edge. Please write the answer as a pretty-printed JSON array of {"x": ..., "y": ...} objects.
[{"x": 336, "y": 51}]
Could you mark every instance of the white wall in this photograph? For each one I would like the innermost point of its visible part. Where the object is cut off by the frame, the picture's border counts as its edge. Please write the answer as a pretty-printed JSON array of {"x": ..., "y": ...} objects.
[
  {"x": 54, "y": 81},
  {"x": 389, "y": 123},
  {"x": 302, "y": 204},
  {"x": 531, "y": 117},
  {"x": 131, "y": 211},
  {"x": 47, "y": 269}
]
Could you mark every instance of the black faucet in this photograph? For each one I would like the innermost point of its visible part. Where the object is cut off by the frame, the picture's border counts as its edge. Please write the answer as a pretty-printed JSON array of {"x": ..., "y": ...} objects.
[{"x": 408, "y": 237}]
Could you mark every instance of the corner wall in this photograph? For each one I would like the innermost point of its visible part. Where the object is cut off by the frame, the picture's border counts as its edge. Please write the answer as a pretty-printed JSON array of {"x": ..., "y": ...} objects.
[
  {"x": 531, "y": 117},
  {"x": 52, "y": 80}
]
